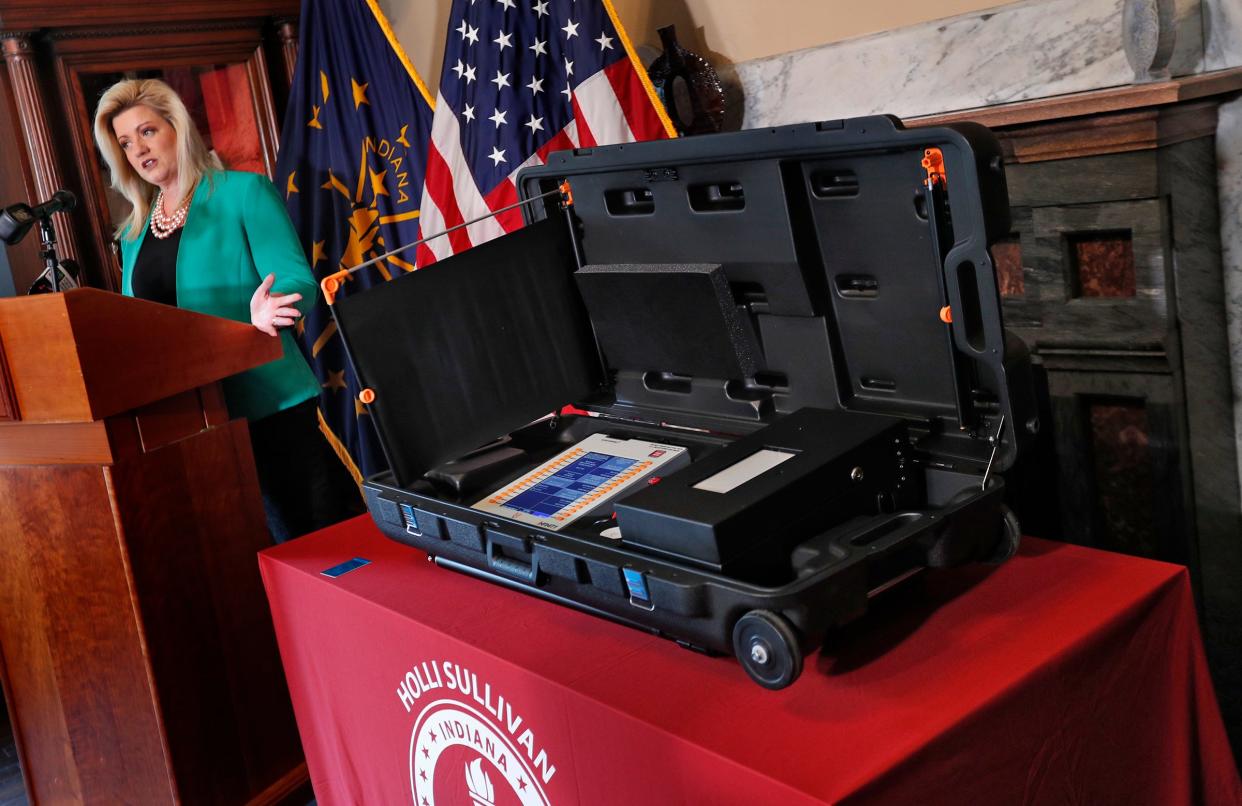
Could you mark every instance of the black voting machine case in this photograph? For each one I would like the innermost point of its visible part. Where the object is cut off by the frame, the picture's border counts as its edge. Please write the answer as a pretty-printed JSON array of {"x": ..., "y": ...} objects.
[{"x": 777, "y": 296}]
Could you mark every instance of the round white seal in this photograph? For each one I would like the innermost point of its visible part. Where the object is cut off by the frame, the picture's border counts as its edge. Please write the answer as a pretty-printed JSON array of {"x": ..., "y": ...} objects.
[{"x": 458, "y": 753}]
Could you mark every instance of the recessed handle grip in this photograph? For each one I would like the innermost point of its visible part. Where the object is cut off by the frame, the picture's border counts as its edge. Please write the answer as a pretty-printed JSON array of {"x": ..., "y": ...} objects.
[{"x": 510, "y": 566}]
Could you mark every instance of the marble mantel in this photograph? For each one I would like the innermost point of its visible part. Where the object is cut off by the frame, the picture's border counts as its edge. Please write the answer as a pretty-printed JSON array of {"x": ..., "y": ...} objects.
[{"x": 1017, "y": 52}]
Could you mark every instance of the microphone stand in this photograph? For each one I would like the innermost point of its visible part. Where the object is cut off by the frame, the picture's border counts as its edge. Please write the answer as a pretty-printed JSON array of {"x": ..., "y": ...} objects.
[{"x": 48, "y": 236}]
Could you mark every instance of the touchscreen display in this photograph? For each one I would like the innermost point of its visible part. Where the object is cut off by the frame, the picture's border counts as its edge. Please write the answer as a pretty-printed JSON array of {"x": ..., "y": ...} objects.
[{"x": 569, "y": 484}]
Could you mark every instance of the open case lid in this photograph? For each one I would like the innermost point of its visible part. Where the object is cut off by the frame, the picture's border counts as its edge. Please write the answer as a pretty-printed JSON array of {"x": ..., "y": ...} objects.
[
  {"x": 728, "y": 279},
  {"x": 841, "y": 242},
  {"x": 471, "y": 348}
]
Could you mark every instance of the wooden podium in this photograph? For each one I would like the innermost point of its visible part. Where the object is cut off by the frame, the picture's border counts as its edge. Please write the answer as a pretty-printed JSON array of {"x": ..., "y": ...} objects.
[{"x": 139, "y": 661}]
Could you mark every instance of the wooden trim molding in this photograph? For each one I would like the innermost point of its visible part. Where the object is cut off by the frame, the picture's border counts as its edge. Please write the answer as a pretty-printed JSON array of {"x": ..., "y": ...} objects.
[
  {"x": 287, "y": 34},
  {"x": 96, "y": 32},
  {"x": 1094, "y": 102},
  {"x": 8, "y": 401},
  {"x": 19, "y": 57},
  {"x": 1132, "y": 118},
  {"x": 1111, "y": 133},
  {"x": 33, "y": 14},
  {"x": 264, "y": 108}
]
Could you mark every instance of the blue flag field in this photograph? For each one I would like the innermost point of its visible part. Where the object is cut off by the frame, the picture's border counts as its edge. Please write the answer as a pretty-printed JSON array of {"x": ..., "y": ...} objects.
[{"x": 351, "y": 162}]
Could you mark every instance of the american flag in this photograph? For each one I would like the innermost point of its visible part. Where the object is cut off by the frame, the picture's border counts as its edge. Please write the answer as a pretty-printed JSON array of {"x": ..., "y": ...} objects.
[{"x": 521, "y": 79}]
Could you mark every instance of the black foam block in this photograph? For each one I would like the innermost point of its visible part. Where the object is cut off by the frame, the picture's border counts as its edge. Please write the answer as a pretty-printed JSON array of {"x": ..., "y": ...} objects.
[{"x": 678, "y": 318}]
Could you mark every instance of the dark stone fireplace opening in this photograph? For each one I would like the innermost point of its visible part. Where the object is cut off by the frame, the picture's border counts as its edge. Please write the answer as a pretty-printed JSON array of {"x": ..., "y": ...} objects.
[{"x": 1113, "y": 278}]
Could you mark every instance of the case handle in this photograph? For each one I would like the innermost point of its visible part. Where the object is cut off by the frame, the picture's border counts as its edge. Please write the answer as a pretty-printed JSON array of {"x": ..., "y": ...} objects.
[
  {"x": 970, "y": 288},
  {"x": 505, "y": 564}
]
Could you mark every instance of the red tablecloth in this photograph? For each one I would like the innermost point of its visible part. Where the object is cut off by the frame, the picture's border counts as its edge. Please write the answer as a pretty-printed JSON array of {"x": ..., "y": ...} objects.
[{"x": 1065, "y": 676}]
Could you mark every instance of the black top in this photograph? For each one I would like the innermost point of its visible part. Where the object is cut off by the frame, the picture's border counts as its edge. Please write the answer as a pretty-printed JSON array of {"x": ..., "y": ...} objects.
[{"x": 155, "y": 268}]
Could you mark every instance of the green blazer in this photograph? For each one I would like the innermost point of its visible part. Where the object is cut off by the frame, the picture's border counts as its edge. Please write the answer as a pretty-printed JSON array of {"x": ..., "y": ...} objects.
[{"x": 236, "y": 233}]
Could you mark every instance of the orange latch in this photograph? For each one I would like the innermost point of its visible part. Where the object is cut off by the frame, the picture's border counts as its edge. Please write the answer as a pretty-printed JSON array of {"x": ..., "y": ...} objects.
[
  {"x": 946, "y": 315},
  {"x": 367, "y": 396},
  {"x": 567, "y": 193},
  {"x": 331, "y": 284},
  {"x": 933, "y": 162}
]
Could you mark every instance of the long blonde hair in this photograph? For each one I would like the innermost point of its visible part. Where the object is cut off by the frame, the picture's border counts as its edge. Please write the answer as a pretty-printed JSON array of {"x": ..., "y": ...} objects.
[{"x": 194, "y": 161}]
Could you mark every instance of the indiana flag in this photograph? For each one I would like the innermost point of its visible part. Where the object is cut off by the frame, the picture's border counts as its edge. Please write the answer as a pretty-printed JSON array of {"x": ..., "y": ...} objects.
[
  {"x": 351, "y": 162},
  {"x": 521, "y": 79}
]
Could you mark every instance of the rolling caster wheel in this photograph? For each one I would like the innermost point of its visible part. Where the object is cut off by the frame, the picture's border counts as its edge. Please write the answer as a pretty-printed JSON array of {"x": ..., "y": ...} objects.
[
  {"x": 767, "y": 648},
  {"x": 1010, "y": 537}
]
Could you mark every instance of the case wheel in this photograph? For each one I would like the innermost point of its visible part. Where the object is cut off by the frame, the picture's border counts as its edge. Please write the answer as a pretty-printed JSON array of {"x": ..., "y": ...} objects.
[
  {"x": 1010, "y": 537},
  {"x": 767, "y": 648}
]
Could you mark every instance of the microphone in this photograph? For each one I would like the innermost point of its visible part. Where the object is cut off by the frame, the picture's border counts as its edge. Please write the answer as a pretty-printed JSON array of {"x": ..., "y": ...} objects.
[
  {"x": 62, "y": 201},
  {"x": 17, "y": 219}
]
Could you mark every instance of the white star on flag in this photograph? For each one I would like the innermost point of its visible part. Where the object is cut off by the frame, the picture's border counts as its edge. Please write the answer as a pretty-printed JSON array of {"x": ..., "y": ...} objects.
[
  {"x": 459, "y": 68},
  {"x": 469, "y": 73},
  {"x": 605, "y": 98}
]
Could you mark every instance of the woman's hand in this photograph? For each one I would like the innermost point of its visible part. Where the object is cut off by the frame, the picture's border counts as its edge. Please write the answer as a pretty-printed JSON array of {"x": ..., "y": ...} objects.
[{"x": 269, "y": 311}]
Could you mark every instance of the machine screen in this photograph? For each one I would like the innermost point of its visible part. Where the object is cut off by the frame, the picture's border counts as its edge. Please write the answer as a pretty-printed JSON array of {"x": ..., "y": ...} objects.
[
  {"x": 582, "y": 480},
  {"x": 569, "y": 484}
]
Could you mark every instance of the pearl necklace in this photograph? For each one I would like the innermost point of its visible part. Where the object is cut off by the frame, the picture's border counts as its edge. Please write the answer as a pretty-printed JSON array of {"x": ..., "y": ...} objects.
[{"x": 164, "y": 225}]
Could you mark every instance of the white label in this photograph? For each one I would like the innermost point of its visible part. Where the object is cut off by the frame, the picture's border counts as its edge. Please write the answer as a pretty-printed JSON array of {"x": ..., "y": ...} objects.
[{"x": 738, "y": 474}]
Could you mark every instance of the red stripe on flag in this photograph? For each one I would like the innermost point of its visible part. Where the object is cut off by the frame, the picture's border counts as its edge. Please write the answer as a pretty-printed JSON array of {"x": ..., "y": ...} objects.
[
  {"x": 503, "y": 195},
  {"x": 560, "y": 142},
  {"x": 439, "y": 183},
  {"x": 585, "y": 138},
  {"x": 423, "y": 256},
  {"x": 635, "y": 102}
]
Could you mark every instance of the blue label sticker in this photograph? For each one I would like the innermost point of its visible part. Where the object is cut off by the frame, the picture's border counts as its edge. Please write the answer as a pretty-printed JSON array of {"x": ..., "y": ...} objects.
[
  {"x": 411, "y": 520},
  {"x": 345, "y": 567},
  {"x": 636, "y": 584}
]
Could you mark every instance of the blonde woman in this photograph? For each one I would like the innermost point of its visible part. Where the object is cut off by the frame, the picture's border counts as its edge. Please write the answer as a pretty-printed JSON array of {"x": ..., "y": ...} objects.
[{"x": 219, "y": 242}]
